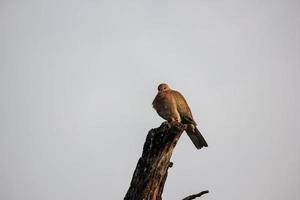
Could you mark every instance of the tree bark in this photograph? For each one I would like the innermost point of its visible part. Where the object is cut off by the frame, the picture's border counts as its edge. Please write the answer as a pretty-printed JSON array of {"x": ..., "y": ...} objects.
[
  {"x": 151, "y": 171},
  {"x": 152, "y": 168}
]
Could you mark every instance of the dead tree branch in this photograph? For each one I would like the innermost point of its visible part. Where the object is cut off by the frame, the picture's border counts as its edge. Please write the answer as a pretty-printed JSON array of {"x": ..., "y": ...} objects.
[
  {"x": 152, "y": 168},
  {"x": 194, "y": 196}
]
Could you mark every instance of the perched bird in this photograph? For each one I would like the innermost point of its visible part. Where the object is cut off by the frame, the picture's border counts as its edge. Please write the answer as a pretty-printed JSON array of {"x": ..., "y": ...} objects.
[{"x": 171, "y": 106}]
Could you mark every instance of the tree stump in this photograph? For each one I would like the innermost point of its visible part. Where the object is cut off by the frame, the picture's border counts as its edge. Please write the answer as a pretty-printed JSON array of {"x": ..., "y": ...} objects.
[{"x": 152, "y": 168}]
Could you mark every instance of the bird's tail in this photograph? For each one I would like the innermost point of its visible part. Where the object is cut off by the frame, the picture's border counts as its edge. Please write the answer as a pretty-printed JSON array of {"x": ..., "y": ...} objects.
[{"x": 196, "y": 137}]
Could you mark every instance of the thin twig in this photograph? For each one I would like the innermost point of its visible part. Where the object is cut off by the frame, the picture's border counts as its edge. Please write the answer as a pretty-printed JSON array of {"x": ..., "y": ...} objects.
[{"x": 196, "y": 195}]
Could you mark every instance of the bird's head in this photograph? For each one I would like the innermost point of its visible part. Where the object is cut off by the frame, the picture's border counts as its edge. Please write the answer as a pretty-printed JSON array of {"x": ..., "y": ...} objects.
[{"x": 163, "y": 87}]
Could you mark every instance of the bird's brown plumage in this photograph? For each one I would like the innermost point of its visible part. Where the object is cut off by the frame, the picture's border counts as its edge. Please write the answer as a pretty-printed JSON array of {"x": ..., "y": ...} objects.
[{"x": 172, "y": 106}]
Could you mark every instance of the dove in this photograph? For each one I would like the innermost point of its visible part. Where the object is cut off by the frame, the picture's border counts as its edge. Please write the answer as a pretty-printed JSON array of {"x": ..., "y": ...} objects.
[{"x": 172, "y": 106}]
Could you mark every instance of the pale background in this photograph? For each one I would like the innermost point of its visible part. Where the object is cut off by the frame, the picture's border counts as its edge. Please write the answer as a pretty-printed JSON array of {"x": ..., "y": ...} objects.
[{"x": 77, "y": 79}]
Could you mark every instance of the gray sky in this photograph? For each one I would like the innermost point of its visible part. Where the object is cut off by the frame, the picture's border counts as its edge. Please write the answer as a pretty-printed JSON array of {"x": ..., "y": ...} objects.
[{"x": 77, "y": 79}]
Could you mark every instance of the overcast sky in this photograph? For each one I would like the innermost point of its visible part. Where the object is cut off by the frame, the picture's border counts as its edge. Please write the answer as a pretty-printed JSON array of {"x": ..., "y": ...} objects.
[{"x": 77, "y": 79}]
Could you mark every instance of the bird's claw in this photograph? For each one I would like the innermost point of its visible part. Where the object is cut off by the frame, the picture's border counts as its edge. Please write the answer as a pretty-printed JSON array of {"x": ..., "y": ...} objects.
[{"x": 185, "y": 126}]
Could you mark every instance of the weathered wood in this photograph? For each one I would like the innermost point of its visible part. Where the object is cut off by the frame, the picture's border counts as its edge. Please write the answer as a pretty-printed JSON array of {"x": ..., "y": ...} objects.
[{"x": 152, "y": 168}]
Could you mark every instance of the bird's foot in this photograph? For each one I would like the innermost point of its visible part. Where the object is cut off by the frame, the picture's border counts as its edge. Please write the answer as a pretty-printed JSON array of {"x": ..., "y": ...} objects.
[
  {"x": 185, "y": 126},
  {"x": 170, "y": 124},
  {"x": 174, "y": 123}
]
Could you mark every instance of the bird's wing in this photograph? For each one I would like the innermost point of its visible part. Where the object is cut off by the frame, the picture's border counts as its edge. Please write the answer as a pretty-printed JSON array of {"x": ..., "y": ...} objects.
[{"x": 183, "y": 108}]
